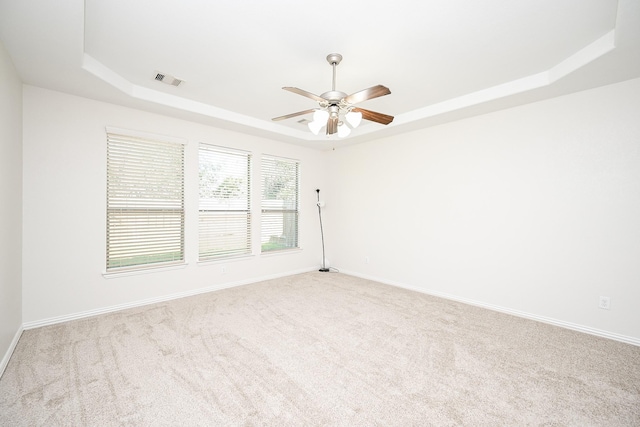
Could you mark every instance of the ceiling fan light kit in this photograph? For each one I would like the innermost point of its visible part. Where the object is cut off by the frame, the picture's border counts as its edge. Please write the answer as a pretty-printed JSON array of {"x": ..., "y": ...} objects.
[{"x": 337, "y": 108}]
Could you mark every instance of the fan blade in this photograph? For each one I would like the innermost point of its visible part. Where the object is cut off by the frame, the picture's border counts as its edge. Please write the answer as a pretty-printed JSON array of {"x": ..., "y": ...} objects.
[
  {"x": 288, "y": 116},
  {"x": 332, "y": 125},
  {"x": 304, "y": 93},
  {"x": 363, "y": 95},
  {"x": 373, "y": 116}
]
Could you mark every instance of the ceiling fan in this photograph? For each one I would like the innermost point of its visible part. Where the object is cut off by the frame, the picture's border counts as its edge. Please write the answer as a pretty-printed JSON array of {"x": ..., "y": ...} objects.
[{"x": 334, "y": 103}]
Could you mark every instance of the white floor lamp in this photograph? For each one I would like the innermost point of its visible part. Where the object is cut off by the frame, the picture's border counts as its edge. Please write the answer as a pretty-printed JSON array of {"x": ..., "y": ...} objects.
[{"x": 320, "y": 204}]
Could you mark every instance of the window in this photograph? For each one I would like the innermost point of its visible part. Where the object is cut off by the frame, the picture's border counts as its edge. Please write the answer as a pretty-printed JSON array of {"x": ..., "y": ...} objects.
[
  {"x": 145, "y": 201},
  {"x": 279, "y": 203},
  {"x": 225, "y": 200}
]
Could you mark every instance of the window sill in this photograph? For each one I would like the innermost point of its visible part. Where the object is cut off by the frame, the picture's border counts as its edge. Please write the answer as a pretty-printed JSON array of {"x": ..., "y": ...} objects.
[
  {"x": 141, "y": 270},
  {"x": 281, "y": 252},
  {"x": 219, "y": 261}
]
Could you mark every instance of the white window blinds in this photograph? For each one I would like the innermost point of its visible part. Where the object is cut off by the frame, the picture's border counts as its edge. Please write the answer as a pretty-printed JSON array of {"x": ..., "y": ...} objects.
[
  {"x": 225, "y": 200},
  {"x": 280, "y": 182},
  {"x": 145, "y": 202}
]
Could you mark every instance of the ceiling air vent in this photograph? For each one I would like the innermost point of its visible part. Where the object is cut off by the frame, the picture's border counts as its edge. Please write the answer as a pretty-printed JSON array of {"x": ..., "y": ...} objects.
[{"x": 167, "y": 79}]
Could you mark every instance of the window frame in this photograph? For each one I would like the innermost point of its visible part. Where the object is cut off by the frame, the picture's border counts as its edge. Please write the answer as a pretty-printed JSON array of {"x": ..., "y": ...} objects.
[
  {"x": 268, "y": 210},
  {"x": 245, "y": 210},
  {"x": 136, "y": 160}
]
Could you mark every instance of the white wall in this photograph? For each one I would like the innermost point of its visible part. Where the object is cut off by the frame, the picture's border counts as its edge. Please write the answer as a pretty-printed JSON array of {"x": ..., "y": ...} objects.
[
  {"x": 535, "y": 209},
  {"x": 65, "y": 208},
  {"x": 10, "y": 203}
]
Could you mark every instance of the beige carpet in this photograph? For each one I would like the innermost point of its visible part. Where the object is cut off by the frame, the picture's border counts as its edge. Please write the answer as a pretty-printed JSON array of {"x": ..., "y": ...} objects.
[{"x": 317, "y": 349}]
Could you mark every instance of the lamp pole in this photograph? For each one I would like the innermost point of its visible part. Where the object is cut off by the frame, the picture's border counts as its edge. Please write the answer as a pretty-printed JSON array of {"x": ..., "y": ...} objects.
[{"x": 324, "y": 269}]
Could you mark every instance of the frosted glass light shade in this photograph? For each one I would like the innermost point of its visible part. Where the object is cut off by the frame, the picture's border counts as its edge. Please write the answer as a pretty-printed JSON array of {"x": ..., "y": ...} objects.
[
  {"x": 354, "y": 118},
  {"x": 315, "y": 126},
  {"x": 320, "y": 116},
  {"x": 343, "y": 130}
]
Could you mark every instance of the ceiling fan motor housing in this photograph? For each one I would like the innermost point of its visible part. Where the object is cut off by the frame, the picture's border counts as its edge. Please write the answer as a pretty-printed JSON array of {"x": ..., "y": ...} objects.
[{"x": 333, "y": 96}]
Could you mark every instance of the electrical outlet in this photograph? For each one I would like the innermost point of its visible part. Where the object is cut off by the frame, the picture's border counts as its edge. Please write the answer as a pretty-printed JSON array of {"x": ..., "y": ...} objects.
[
  {"x": 223, "y": 269},
  {"x": 366, "y": 260},
  {"x": 605, "y": 303}
]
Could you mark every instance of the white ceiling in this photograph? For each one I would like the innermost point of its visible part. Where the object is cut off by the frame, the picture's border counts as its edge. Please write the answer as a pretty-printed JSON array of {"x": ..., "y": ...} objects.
[{"x": 442, "y": 60}]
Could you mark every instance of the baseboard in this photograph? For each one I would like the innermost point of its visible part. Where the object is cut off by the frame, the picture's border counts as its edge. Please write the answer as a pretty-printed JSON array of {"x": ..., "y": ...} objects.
[
  {"x": 518, "y": 313},
  {"x": 139, "y": 303},
  {"x": 10, "y": 350},
  {"x": 114, "y": 308}
]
